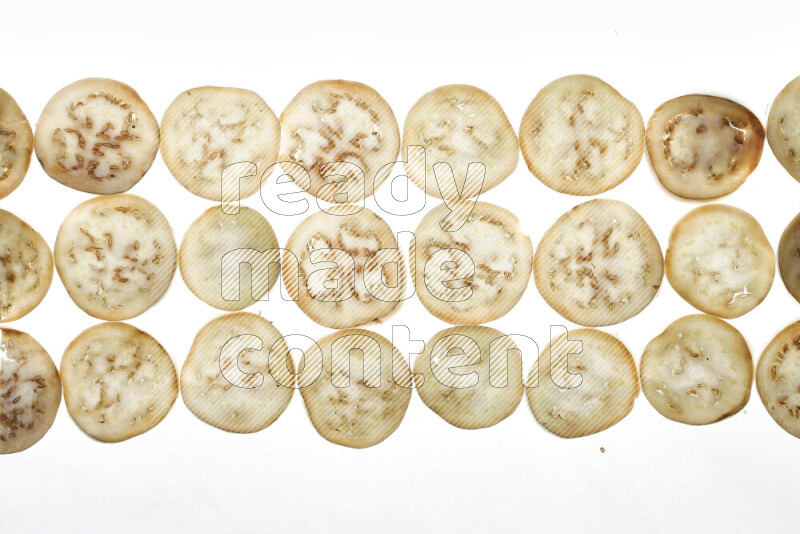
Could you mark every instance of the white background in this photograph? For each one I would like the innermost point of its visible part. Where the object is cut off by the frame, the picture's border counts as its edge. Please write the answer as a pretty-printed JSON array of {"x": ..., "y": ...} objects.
[{"x": 185, "y": 476}]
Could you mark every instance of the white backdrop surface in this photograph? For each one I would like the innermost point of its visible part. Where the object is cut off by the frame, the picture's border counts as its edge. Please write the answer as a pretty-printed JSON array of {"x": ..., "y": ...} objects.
[{"x": 186, "y": 476}]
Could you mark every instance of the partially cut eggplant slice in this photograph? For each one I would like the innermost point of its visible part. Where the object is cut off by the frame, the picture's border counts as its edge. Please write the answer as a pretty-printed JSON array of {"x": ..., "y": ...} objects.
[
  {"x": 26, "y": 267},
  {"x": 16, "y": 144},
  {"x": 30, "y": 391},
  {"x": 778, "y": 379},
  {"x": 783, "y": 128},
  {"x": 789, "y": 257}
]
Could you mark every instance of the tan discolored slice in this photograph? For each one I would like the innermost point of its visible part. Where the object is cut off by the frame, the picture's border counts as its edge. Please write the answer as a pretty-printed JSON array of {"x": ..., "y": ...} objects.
[
  {"x": 231, "y": 383},
  {"x": 30, "y": 391},
  {"x": 720, "y": 261},
  {"x": 599, "y": 264},
  {"x": 16, "y": 144},
  {"x": 26, "y": 267},
  {"x": 97, "y": 135},
  {"x": 702, "y": 146},
  {"x": 470, "y": 273},
  {"x": 334, "y": 290},
  {"x": 459, "y": 125},
  {"x": 116, "y": 256},
  {"x": 783, "y": 128},
  {"x": 340, "y": 121},
  {"x": 208, "y": 128},
  {"x": 778, "y": 379},
  {"x": 118, "y": 381},
  {"x": 580, "y": 136},
  {"x": 365, "y": 406},
  {"x": 215, "y": 234},
  {"x": 698, "y": 371},
  {"x": 789, "y": 257},
  {"x": 572, "y": 406},
  {"x": 472, "y": 376}
]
